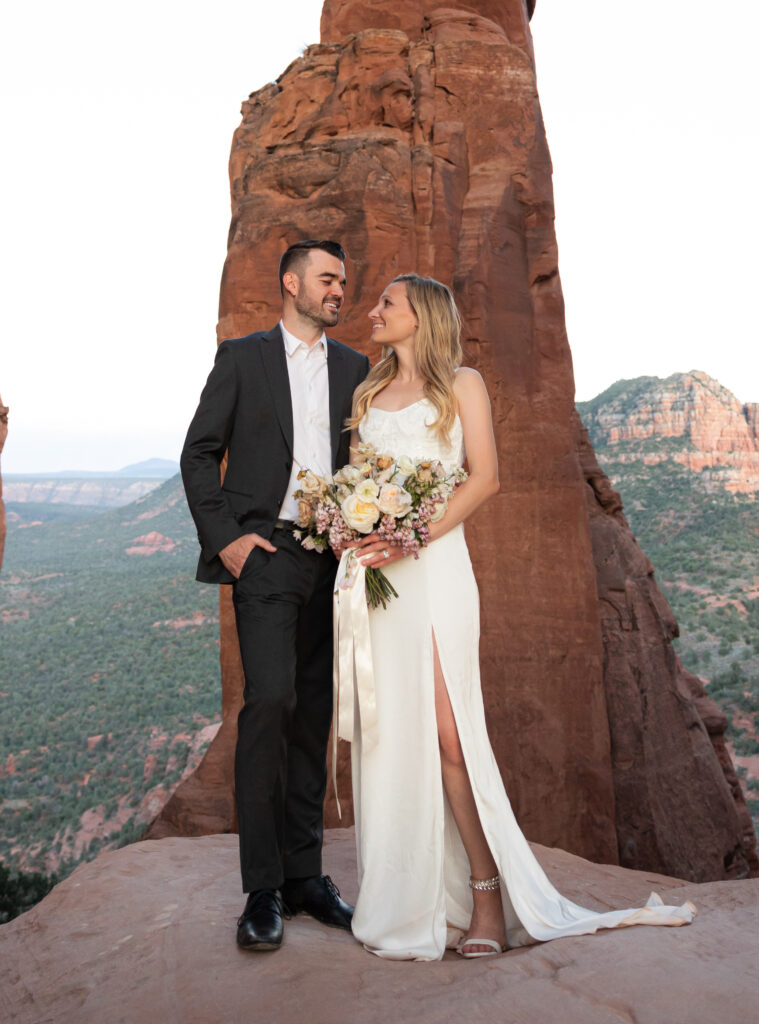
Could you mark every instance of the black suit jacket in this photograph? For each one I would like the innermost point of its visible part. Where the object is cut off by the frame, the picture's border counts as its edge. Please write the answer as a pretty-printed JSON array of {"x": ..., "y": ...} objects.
[{"x": 246, "y": 410}]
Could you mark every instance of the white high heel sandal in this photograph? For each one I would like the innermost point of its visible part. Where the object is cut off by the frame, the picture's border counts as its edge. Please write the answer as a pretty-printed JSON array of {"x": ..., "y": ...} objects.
[{"x": 482, "y": 885}]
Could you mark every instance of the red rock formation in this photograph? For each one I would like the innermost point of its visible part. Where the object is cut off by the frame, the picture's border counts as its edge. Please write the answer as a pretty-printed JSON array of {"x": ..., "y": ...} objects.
[
  {"x": 665, "y": 732},
  {"x": 150, "y": 544},
  {"x": 418, "y": 142},
  {"x": 716, "y": 432}
]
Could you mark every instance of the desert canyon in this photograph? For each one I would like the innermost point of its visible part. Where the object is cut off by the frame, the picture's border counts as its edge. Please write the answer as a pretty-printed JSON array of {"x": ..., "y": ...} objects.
[{"x": 412, "y": 132}]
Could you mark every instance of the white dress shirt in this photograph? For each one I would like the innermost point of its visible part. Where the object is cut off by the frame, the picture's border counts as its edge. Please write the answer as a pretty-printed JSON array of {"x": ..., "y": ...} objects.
[{"x": 309, "y": 392}]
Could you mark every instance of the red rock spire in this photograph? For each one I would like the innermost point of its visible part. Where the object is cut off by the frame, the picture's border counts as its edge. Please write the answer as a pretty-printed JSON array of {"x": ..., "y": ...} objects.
[{"x": 342, "y": 17}]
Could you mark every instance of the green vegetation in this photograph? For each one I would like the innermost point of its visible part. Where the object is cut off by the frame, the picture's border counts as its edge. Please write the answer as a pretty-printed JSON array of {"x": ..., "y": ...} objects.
[
  {"x": 109, "y": 669},
  {"x": 19, "y": 891},
  {"x": 47, "y": 512},
  {"x": 627, "y": 390}
]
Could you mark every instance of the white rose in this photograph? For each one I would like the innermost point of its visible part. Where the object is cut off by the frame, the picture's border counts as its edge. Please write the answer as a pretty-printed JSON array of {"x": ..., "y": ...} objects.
[
  {"x": 347, "y": 475},
  {"x": 360, "y": 515},
  {"x": 310, "y": 483},
  {"x": 367, "y": 490},
  {"x": 406, "y": 465},
  {"x": 394, "y": 500}
]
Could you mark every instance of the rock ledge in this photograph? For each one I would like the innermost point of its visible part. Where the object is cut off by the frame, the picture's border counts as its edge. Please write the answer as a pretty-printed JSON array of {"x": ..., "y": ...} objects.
[{"x": 146, "y": 933}]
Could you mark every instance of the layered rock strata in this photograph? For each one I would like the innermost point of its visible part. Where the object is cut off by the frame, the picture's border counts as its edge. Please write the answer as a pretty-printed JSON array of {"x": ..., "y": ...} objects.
[
  {"x": 418, "y": 142},
  {"x": 688, "y": 418},
  {"x": 102, "y": 493}
]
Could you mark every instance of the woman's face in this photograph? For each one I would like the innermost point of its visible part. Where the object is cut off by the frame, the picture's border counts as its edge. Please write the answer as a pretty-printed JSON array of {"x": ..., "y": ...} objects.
[{"x": 393, "y": 319}]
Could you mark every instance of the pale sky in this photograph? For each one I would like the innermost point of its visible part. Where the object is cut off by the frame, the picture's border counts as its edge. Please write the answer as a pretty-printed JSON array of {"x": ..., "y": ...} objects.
[{"x": 117, "y": 121}]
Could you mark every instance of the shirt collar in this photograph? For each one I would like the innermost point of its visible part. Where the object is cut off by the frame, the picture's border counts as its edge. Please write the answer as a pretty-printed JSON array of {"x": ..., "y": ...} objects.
[{"x": 292, "y": 344}]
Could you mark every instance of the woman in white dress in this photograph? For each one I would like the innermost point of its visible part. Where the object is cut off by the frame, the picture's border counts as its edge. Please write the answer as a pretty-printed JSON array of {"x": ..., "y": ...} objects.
[{"x": 440, "y": 855}]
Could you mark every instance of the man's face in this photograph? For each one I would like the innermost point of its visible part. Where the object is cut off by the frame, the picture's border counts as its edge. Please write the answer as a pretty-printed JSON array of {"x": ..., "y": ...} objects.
[{"x": 320, "y": 288}]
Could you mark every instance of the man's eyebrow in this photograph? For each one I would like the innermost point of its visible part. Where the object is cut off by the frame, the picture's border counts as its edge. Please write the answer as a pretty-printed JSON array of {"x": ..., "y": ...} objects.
[{"x": 332, "y": 277}]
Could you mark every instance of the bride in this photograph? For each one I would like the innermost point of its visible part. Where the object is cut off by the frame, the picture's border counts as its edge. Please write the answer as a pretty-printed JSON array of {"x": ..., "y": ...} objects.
[{"x": 441, "y": 859}]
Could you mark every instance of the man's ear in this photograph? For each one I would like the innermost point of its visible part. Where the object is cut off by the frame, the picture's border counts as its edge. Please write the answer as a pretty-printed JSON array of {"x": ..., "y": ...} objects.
[{"x": 291, "y": 282}]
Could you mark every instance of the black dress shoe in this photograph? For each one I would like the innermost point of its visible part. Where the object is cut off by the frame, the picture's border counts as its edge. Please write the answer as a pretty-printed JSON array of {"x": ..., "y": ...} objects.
[
  {"x": 260, "y": 927},
  {"x": 319, "y": 897}
]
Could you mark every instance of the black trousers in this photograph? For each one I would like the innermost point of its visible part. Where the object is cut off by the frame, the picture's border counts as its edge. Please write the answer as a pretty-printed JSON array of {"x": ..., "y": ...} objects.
[{"x": 283, "y": 608}]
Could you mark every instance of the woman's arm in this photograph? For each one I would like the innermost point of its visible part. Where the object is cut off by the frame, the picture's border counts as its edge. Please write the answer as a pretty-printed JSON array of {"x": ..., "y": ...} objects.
[
  {"x": 482, "y": 460},
  {"x": 481, "y": 455}
]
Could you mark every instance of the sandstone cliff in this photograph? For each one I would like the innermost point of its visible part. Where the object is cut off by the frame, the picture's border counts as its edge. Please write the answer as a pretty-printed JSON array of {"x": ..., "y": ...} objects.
[
  {"x": 663, "y": 726},
  {"x": 3, "y": 435},
  {"x": 102, "y": 492},
  {"x": 413, "y": 134},
  {"x": 146, "y": 934},
  {"x": 688, "y": 418}
]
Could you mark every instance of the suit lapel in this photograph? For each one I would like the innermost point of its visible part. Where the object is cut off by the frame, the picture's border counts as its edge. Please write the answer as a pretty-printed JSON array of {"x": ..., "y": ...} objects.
[
  {"x": 275, "y": 365},
  {"x": 337, "y": 396}
]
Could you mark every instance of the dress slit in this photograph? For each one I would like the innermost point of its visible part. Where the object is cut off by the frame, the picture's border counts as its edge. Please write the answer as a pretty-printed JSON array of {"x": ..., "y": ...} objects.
[{"x": 459, "y": 897}]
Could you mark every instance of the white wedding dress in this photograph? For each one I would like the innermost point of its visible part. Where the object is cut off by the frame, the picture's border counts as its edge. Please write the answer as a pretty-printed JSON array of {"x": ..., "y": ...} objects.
[{"x": 414, "y": 899}]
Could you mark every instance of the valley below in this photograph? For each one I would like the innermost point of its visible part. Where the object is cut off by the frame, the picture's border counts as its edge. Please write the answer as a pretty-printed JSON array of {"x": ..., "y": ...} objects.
[{"x": 109, "y": 684}]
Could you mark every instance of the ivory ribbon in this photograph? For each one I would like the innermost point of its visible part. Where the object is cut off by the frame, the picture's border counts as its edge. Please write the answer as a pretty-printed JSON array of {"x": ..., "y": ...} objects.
[{"x": 352, "y": 673}]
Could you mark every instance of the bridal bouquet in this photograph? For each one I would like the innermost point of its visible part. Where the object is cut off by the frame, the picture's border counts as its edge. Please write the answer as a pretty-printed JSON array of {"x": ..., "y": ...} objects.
[{"x": 395, "y": 498}]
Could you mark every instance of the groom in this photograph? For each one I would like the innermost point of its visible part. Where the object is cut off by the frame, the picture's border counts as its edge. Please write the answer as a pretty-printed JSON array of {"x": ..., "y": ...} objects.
[{"x": 276, "y": 402}]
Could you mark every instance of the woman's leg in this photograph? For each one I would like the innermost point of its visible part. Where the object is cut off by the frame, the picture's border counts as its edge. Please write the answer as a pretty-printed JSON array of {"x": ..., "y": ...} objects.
[{"x": 487, "y": 918}]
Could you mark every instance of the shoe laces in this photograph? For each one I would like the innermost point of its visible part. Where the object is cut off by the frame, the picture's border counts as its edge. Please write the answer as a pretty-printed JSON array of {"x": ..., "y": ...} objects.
[
  {"x": 332, "y": 889},
  {"x": 253, "y": 899}
]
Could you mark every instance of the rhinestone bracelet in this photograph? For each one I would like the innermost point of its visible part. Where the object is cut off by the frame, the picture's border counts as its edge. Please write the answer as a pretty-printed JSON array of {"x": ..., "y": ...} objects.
[{"x": 485, "y": 884}]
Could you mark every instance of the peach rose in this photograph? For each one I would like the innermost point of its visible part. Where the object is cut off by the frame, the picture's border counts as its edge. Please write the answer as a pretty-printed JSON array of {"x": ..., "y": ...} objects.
[
  {"x": 305, "y": 511},
  {"x": 394, "y": 500},
  {"x": 310, "y": 483}
]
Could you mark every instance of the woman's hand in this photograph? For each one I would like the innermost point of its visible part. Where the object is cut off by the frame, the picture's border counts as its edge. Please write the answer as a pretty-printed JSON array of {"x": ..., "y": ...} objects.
[{"x": 371, "y": 552}]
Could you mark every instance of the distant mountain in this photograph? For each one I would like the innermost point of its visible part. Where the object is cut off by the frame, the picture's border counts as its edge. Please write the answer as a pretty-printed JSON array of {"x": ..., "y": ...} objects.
[
  {"x": 684, "y": 455},
  {"x": 29, "y": 497},
  {"x": 688, "y": 418},
  {"x": 159, "y": 469}
]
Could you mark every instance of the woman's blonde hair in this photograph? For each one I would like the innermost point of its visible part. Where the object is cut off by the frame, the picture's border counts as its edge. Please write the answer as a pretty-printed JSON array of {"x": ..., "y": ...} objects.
[{"x": 437, "y": 350}]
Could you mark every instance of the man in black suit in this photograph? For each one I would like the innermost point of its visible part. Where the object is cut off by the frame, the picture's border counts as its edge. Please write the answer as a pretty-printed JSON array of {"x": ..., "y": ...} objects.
[{"x": 276, "y": 402}]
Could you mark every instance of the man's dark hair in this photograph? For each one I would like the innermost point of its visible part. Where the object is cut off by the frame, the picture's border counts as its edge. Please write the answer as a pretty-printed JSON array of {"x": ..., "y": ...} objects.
[{"x": 295, "y": 257}]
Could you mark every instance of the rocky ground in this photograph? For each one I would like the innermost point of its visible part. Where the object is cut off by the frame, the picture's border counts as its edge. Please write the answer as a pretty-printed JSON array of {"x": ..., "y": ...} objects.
[{"x": 146, "y": 933}]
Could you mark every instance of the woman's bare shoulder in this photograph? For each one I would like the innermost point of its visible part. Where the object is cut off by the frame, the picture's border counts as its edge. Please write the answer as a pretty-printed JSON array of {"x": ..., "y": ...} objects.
[{"x": 469, "y": 384}]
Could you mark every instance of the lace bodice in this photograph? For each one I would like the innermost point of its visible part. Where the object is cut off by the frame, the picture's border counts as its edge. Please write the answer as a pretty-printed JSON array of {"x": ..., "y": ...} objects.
[{"x": 407, "y": 432}]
